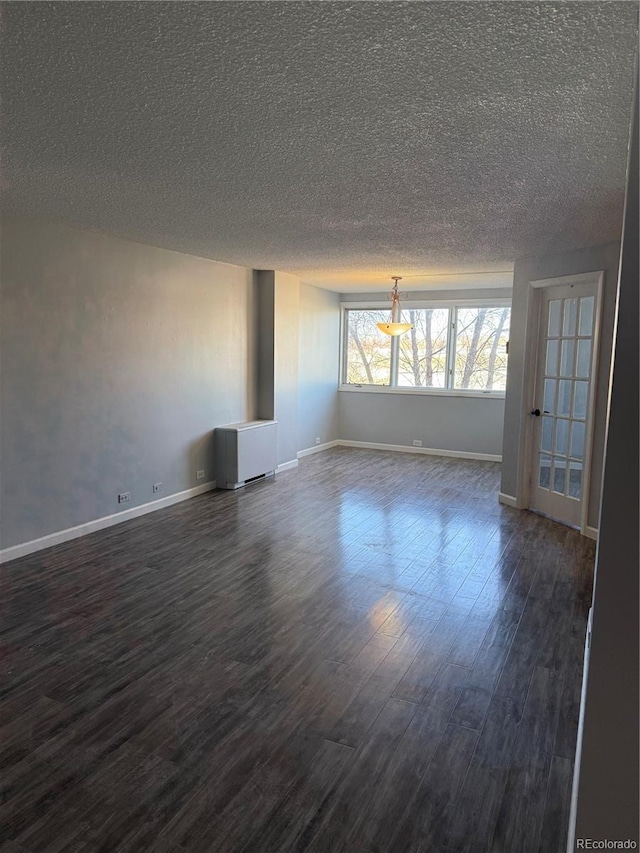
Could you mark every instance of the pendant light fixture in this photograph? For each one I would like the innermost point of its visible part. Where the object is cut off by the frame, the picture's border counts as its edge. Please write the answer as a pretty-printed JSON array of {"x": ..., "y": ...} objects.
[{"x": 396, "y": 326}]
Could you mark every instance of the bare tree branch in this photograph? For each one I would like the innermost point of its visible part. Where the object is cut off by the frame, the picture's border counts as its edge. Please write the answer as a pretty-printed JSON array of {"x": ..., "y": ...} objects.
[
  {"x": 415, "y": 356},
  {"x": 356, "y": 339},
  {"x": 470, "y": 362}
]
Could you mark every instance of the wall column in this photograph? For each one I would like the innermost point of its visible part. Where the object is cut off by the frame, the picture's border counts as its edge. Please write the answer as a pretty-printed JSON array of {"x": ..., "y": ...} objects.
[{"x": 278, "y": 309}]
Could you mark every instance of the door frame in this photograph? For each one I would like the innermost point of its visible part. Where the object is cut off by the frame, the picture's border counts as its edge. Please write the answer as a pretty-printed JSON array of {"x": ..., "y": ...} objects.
[{"x": 532, "y": 334}]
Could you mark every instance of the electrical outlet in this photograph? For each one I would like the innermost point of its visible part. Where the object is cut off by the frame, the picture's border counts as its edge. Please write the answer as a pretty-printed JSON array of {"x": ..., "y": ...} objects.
[
  {"x": 200, "y": 474},
  {"x": 317, "y": 439},
  {"x": 157, "y": 487},
  {"x": 124, "y": 497},
  {"x": 417, "y": 442}
]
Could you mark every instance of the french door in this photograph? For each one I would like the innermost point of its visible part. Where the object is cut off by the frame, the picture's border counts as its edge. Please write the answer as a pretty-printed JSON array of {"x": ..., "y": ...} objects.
[{"x": 563, "y": 402}]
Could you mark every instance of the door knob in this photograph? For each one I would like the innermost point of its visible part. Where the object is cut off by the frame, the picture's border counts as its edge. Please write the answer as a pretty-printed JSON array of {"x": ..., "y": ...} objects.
[{"x": 536, "y": 412}]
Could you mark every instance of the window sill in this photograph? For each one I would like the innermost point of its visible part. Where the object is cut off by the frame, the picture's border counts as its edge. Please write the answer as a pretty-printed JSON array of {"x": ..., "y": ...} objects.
[{"x": 422, "y": 392}]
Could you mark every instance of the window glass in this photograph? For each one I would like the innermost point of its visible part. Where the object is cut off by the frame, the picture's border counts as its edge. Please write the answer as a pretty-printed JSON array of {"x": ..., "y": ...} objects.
[
  {"x": 555, "y": 309},
  {"x": 564, "y": 397},
  {"x": 422, "y": 356},
  {"x": 559, "y": 470},
  {"x": 562, "y": 436},
  {"x": 584, "y": 358},
  {"x": 481, "y": 349},
  {"x": 575, "y": 479},
  {"x": 566, "y": 359},
  {"x": 586, "y": 315},
  {"x": 546, "y": 442},
  {"x": 549, "y": 398},
  {"x": 544, "y": 473},
  {"x": 580, "y": 401},
  {"x": 426, "y": 356},
  {"x": 368, "y": 349},
  {"x": 577, "y": 439},
  {"x": 570, "y": 313}
]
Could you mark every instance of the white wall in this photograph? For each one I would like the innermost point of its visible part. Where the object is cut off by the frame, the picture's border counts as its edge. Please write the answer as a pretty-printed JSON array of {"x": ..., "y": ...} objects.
[
  {"x": 608, "y": 792},
  {"x": 118, "y": 360},
  {"x": 441, "y": 422},
  {"x": 517, "y": 407},
  {"x": 319, "y": 343},
  {"x": 464, "y": 425}
]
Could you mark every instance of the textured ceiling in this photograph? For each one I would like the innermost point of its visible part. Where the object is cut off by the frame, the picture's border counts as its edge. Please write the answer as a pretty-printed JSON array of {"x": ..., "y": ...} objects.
[{"x": 343, "y": 142}]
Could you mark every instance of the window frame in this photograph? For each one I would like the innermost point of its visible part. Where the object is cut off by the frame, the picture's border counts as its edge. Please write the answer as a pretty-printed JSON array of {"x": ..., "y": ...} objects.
[{"x": 449, "y": 390}]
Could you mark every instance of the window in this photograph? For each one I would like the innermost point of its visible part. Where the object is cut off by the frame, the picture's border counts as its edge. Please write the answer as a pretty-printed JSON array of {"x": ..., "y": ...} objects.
[
  {"x": 456, "y": 348},
  {"x": 422, "y": 359},
  {"x": 369, "y": 350},
  {"x": 481, "y": 348}
]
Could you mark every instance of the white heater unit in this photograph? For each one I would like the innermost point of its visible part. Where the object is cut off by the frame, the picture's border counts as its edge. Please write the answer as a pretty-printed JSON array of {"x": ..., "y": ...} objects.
[{"x": 245, "y": 452}]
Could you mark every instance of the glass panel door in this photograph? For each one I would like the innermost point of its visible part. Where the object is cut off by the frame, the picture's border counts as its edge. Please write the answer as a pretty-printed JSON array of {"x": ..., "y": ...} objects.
[{"x": 563, "y": 389}]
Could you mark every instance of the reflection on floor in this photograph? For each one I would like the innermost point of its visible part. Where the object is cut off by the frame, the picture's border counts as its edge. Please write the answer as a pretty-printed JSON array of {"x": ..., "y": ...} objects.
[{"x": 366, "y": 654}]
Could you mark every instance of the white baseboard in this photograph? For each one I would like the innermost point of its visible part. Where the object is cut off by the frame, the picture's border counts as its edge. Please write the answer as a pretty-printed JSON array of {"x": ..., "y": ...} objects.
[
  {"x": 317, "y": 448},
  {"x": 286, "y": 466},
  {"x": 25, "y": 548},
  {"x": 429, "y": 451},
  {"x": 508, "y": 500},
  {"x": 61, "y": 536}
]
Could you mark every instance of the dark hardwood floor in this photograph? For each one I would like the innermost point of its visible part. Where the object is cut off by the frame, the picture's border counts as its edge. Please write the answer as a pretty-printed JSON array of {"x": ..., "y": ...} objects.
[{"x": 367, "y": 655}]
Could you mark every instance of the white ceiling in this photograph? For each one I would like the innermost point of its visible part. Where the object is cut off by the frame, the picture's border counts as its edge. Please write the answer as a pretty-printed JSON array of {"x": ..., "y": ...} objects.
[{"x": 344, "y": 142}]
